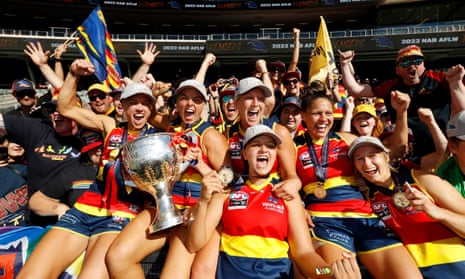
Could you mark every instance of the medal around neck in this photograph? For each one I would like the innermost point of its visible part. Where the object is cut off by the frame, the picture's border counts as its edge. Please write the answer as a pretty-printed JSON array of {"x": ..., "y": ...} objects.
[
  {"x": 320, "y": 191},
  {"x": 400, "y": 200},
  {"x": 226, "y": 175}
]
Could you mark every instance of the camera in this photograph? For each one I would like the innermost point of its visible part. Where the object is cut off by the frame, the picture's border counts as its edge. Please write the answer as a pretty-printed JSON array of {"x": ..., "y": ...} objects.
[{"x": 3, "y": 153}]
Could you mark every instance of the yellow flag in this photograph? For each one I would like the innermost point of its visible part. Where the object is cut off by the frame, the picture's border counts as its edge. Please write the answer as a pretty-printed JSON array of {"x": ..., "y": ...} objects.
[{"x": 322, "y": 56}]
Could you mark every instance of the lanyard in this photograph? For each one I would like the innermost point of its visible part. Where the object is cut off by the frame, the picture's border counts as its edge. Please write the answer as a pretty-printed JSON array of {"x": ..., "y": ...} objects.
[{"x": 321, "y": 169}]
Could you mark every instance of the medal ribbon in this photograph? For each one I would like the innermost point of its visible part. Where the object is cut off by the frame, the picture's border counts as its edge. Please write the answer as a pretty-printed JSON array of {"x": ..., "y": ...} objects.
[{"x": 321, "y": 170}]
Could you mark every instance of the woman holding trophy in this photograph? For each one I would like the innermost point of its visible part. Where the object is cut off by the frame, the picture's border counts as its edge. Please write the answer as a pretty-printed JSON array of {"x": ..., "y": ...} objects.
[
  {"x": 207, "y": 151},
  {"x": 107, "y": 207}
]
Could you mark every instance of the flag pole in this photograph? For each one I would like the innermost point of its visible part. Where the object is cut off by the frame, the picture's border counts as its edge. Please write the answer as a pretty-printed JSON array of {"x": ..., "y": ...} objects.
[{"x": 69, "y": 41}]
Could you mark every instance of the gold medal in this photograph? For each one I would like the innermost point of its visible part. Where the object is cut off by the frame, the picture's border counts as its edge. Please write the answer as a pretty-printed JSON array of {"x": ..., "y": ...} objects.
[
  {"x": 320, "y": 191},
  {"x": 400, "y": 200},
  {"x": 226, "y": 175}
]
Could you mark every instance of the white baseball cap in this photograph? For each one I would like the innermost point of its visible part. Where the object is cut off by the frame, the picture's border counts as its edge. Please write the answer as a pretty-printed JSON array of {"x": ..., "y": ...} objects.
[
  {"x": 456, "y": 126},
  {"x": 258, "y": 130},
  {"x": 136, "y": 88},
  {"x": 366, "y": 141},
  {"x": 192, "y": 83},
  {"x": 249, "y": 83}
]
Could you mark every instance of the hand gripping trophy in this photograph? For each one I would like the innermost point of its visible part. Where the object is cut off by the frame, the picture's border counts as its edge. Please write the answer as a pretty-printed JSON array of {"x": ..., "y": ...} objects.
[{"x": 153, "y": 163}]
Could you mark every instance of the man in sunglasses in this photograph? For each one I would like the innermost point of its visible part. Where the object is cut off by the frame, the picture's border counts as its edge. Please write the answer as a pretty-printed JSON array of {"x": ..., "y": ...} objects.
[
  {"x": 101, "y": 100},
  {"x": 24, "y": 92},
  {"x": 291, "y": 83},
  {"x": 426, "y": 88}
]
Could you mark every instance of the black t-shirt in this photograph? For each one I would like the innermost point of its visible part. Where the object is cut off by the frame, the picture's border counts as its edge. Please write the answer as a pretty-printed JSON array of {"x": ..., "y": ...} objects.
[
  {"x": 70, "y": 183},
  {"x": 47, "y": 153}
]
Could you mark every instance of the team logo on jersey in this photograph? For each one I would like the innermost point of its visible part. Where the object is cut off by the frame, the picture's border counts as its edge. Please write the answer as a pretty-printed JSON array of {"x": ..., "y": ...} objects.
[
  {"x": 273, "y": 205},
  {"x": 381, "y": 208},
  {"x": 305, "y": 160},
  {"x": 235, "y": 149},
  {"x": 115, "y": 141},
  {"x": 238, "y": 200}
]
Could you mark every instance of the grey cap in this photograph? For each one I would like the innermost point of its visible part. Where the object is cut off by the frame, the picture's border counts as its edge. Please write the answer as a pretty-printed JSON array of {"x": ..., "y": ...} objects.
[
  {"x": 192, "y": 83},
  {"x": 249, "y": 83},
  {"x": 258, "y": 130},
  {"x": 365, "y": 141},
  {"x": 456, "y": 126},
  {"x": 136, "y": 88}
]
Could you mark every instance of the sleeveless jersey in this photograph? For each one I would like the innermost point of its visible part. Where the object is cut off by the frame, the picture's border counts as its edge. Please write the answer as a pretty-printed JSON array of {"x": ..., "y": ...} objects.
[
  {"x": 117, "y": 137},
  {"x": 235, "y": 139},
  {"x": 109, "y": 195},
  {"x": 186, "y": 191},
  {"x": 437, "y": 251},
  {"x": 343, "y": 197},
  {"x": 255, "y": 228}
]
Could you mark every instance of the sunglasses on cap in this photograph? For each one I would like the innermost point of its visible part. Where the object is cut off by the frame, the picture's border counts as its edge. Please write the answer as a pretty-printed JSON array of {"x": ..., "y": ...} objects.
[
  {"x": 277, "y": 69},
  {"x": 22, "y": 94},
  {"x": 101, "y": 96},
  {"x": 406, "y": 63},
  {"x": 227, "y": 98},
  {"x": 290, "y": 81}
]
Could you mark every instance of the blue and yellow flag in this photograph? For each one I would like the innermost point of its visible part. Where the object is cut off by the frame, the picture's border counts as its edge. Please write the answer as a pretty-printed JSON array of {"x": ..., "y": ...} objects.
[
  {"x": 322, "y": 56},
  {"x": 94, "y": 42}
]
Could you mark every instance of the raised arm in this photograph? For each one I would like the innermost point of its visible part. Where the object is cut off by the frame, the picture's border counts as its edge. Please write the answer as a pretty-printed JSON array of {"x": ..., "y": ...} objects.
[
  {"x": 433, "y": 160},
  {"x": 262, "y": 70},
  {"x": 455, "y": 76},
  {"x": 147, "y": 58},
  {"x": 399, "y": 139},
  {"x": 59, "y": 51},
  {"x": 40, "y": 58},
  {"x": 296, "y": 52},
  {"x": 353, "y": 87},
  {"x": 208, "y": 60},
  {"x": 67, "y": 100},
  {"x": 346, "y": 124}
]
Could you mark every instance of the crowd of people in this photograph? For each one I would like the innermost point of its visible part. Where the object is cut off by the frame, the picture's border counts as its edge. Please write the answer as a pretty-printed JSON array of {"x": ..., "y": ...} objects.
[{"x": 283, "y": 179}]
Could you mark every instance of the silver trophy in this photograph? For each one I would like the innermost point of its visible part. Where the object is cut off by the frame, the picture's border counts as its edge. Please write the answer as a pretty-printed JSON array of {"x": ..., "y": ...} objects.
[{"x": 153, "y": 163}]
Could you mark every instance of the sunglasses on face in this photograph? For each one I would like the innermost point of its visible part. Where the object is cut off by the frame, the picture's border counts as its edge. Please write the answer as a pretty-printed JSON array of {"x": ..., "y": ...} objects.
[
  {"x": 290, "y": 81},
  {"x": 406, "y": 63},
  {"x": 101, "y": 96},
  {"x": 227, "y": 98},
  {"x": 23, "y": 94},
  {"x": 363, "y": 100}
]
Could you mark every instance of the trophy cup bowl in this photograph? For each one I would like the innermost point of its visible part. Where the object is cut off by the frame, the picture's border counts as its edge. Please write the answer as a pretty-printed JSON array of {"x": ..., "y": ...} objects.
[{"x": 153, "y": 164}]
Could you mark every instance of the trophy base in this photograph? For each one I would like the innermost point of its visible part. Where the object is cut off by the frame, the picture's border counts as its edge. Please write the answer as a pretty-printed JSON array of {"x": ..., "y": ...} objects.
[{"x": 170, "y": 223}]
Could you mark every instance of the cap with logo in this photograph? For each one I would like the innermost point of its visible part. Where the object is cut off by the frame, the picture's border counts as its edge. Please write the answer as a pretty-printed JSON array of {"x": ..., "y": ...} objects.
[
  {"x": 456, "y": 126},
  {"x": 411, "y": 50},
  {"x": 22, "y": 85}
]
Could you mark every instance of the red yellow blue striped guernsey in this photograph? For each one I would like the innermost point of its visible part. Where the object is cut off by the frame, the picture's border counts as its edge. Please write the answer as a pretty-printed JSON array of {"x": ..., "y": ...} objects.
[
  {"x": 255, "y": 228},
  {"x": 437, "y": 251}
]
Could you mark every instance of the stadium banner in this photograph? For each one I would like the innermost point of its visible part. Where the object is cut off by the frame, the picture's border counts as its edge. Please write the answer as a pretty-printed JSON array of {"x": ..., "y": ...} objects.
[{"x": 260, "y": 46}]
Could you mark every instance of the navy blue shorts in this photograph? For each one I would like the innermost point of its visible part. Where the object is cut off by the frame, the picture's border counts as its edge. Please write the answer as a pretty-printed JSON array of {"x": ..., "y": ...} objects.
[
  {"x": 354, "y": 234},
  {"x": 89, "y": 225}
]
